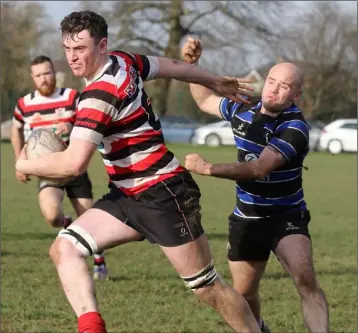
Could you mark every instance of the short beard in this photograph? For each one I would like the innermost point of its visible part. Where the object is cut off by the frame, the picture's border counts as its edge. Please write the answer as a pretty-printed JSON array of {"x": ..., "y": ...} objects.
[{"x": 47, "y": 90}]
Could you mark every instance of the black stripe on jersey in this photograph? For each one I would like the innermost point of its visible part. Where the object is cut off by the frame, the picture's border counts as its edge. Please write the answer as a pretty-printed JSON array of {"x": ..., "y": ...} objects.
[
  {"x": 295, "y": 137},
  {"x": 91, "y": 124},
  {"x": 146, "y": 67},
  {"x": 114, "y": 68},
  {"x": 128, "y": 57},
  {"x": 62, "y": 91},
  {"x": 45, "y": 111},
  {"x": 256, "y": 210},
  {"x": 129, "y": 150},
  {"x": 273, "y": 189},
  {"x": 101, "y": 95},
  {"x": 290, "y": 116},
  {"x": 150, "y": 171},
  {"x": 126, "y": 128},
  {"x": 128, "y": 100},
  {"x": 74, "y": 102},
  {"x": 32, "y": 96}
]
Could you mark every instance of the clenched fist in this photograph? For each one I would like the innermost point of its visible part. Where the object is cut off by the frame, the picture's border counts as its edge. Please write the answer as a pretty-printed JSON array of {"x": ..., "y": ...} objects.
[
  {"x": 191, "y": 51},
  {"x": 195, "y": 163}
]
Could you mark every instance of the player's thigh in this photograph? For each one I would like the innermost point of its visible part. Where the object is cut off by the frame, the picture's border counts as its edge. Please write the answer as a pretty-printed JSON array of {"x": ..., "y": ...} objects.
[
  {"x": 50, "y": 200},
  {"x": 249, "y": 240},
  {"x": 190, "y": 258},
  {"x": 293, "y": 245},
  {"x": 168, "y": 213},
  {"x": 104, "y": 229}
]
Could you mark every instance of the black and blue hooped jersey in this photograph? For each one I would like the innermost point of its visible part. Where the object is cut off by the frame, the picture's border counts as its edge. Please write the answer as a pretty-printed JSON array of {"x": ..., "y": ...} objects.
[{"x": 281, "y": 191}]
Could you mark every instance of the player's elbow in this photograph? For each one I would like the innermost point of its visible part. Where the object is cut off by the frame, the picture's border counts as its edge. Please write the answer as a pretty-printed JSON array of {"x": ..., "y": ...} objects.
[
  {"x": 259, "y": 171},
  {"x": 75, "y": 167}
]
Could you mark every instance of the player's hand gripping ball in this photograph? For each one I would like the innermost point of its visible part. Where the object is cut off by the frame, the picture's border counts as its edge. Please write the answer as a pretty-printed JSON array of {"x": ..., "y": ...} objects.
[{"x": 42, "y": 142}]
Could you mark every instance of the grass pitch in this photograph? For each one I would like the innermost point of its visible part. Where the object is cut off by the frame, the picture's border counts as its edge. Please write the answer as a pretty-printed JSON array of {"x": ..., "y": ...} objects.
[{"x": 144, "y": 293}]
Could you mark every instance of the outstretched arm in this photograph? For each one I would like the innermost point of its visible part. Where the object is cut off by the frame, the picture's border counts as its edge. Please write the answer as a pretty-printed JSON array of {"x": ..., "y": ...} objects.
[
  {"x": 206, "y": 99},
  {"x": 289, "y": 140},
  {"x": 269, "y": 160}
]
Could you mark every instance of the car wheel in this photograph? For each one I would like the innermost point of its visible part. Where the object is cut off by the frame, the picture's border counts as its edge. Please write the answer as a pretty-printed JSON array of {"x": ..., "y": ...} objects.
[
  {"x": 335, "y": 147},
  {"x": 213, "y": 140}
]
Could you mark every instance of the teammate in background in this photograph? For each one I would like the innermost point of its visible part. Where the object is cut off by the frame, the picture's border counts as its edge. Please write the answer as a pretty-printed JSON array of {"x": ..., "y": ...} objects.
[
  {"x": 270, "y": 213},
  {"x": 55, "y": 109},
  {"x": 151, "y": 194}
]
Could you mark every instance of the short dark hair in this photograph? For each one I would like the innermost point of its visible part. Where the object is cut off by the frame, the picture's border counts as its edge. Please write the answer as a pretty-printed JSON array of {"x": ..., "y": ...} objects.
[
  {"x": 40, "y": 60},
  {"x": 76, "y": 22}
]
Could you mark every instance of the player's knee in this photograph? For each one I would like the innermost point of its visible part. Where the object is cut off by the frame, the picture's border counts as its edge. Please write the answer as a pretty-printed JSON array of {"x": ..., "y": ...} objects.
[
  {"x": 53, "y": 218},
  {"x": 73, "y": 241},
  {"x": 305, "y": 279},
  {"x": 247, "y": 289},
  {"x": 249, "y": 295},
  {"x": 60, "y": 249},
  {"x": 80, "y": 239}
]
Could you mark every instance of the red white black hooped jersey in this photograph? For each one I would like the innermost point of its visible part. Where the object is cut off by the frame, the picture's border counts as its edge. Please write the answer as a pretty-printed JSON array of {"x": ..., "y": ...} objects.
[
  {"x": 115, "y": 113},
  {"x": 37, "y": 111}
]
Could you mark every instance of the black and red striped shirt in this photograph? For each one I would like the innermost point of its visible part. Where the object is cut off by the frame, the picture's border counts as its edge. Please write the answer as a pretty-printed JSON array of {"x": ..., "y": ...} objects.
[
  {"x": 37, "y": 111},
  {"x": 115, "y": 113}
]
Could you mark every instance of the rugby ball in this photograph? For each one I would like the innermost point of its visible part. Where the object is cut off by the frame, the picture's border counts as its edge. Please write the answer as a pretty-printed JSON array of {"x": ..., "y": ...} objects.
[{"x": 42, "y": 142}]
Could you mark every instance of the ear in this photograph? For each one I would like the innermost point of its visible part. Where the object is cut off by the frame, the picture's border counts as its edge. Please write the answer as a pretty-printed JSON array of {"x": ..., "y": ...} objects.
[
  {"x": 298, "y": 94},
  {"x": 103, "y": 45}
]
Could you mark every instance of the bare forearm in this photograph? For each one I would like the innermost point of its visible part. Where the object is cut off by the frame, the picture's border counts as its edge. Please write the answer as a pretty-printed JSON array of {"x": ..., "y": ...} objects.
[
  {"x": 244, "y": 171},
  {"x": 17, "y": 141},
  {"x": 185, "y": 72},
  {"x": 55, "y": 165}
]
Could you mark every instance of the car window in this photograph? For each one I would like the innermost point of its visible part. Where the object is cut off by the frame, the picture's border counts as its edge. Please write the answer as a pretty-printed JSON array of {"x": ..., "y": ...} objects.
[{"x": 350, "y": 126}]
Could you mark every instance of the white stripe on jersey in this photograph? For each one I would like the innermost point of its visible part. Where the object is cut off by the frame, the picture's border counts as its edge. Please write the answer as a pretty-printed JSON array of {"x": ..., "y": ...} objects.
[
  {"x": 129, "y": 183},
  {"x": 134, "y": 133},
  {"x": 132, "y": 159},
  {"x": 59, "y": 113},
  {"x": 131, "y": 108},
  {"x": 117, "y": 80},
  {"x": 54, "y": 98},
  {"x": 97, "y": 104},
  {"x": 122, "y": 73},
  {"x": 154, "y": 68},
  {"x": 86, "y": 134}
]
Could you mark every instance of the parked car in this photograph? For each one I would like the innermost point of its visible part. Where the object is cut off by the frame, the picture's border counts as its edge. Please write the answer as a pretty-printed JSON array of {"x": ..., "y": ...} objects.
[
  {"x": 339, "y": 136},
  {"x": 220, "y": 133},
  {"x": 214, "y": 134},
  {"x": 178, "y": 129},
  {"x": 315, "y": 132}
]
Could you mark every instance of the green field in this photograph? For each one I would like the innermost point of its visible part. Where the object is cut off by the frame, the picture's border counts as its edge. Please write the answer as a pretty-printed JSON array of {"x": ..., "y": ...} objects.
[{"x": 145, "y": 294}]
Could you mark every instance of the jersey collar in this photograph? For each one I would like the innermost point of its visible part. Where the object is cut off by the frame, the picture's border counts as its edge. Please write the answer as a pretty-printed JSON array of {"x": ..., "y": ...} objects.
[{"x": 100, "y": 72}]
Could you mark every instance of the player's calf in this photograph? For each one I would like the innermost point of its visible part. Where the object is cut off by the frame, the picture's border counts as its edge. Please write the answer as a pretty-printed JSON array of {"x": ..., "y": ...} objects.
[{"x": 210, "y": 288}]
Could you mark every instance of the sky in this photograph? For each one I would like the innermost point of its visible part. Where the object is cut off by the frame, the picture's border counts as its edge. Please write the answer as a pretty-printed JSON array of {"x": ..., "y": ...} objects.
[{"x": 57, "y": 10}]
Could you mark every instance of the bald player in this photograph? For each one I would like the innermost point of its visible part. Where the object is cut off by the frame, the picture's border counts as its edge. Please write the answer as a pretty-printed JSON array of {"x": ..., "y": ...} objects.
[{"x": 271, "y": 213}]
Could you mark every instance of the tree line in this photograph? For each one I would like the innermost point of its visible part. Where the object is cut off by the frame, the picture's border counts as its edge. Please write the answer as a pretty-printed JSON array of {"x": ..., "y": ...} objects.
[{"x": 321, "y": 39}]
